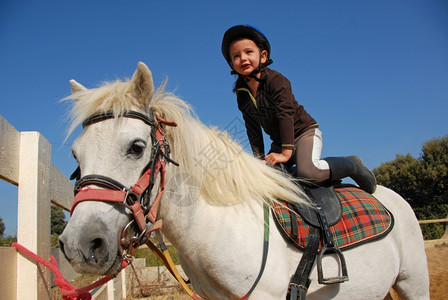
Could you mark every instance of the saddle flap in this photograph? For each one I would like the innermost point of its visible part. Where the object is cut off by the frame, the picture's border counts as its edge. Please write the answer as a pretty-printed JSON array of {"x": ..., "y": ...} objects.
[{"x": 326, "y": 198}]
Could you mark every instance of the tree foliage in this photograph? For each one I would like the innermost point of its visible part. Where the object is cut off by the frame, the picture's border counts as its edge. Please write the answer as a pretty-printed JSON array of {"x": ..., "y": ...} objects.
[
  {"x": 58, "y": 222},
  {"x": 2, "y": 228},
  {"x": 5, "y": 241},
  {"x": 422, "y": 181}
]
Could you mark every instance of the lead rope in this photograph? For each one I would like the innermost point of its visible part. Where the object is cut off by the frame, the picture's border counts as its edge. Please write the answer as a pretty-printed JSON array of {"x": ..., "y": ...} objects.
[{"x": 68, "y": 291}]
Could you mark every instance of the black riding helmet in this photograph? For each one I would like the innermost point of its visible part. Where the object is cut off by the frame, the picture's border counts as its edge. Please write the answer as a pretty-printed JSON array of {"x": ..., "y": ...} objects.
[{"x": 245, "y": 32}]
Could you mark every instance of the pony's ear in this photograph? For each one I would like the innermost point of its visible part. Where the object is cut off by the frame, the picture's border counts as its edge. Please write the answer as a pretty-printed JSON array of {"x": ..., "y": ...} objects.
[
  {"x": 142, "y": 86},
  {"x": 76, "y": 87}
]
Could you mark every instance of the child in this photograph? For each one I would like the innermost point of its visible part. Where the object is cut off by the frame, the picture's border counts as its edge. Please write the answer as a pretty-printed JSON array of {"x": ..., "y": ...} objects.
[{"x": 266, "y": 101}]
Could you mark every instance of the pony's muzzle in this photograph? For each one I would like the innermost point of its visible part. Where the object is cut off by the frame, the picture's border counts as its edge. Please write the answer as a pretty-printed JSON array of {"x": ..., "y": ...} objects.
[{"x": 89, "y": 249}]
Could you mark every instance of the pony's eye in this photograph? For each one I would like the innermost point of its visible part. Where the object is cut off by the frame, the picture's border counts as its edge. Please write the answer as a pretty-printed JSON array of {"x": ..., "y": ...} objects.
[{"x": 137, "y": 148}]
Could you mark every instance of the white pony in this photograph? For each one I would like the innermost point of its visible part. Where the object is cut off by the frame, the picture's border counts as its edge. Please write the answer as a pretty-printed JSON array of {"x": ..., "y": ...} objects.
[{"x": 212, "y": 208}]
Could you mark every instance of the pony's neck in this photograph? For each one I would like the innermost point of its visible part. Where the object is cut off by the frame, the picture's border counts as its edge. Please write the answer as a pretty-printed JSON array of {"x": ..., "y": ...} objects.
[{"x": 204, "y": 233}]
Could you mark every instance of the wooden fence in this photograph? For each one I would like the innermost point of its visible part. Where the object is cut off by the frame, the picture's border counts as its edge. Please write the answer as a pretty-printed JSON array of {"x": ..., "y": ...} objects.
[{"x": 25, "y": 161}]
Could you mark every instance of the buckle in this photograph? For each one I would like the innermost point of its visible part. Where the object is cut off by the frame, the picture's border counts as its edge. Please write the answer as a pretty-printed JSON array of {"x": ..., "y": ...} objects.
[
  {"x": 295, "y": 290},
  {"x": 130, "y": 198}
]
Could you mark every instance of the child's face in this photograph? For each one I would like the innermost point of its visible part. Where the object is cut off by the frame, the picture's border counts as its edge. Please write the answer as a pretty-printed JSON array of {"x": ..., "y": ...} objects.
[{"x": 246, "y": 56}]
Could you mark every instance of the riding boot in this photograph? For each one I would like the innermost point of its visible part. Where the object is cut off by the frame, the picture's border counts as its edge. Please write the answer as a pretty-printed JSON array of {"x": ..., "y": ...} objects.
[{"x": 352, "y": 166}]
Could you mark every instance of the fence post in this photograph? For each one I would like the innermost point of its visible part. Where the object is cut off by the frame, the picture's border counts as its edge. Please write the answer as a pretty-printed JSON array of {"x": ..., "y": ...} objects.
[{"x": 33, "y": 223}]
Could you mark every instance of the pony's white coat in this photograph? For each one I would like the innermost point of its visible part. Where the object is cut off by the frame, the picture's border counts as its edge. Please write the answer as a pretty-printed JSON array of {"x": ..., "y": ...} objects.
[{"x": 212, "y": 208}]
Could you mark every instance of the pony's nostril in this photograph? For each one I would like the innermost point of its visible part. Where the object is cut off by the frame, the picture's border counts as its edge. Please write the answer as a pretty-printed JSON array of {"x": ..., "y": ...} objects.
[
  {"x": 97, "y": 248},
  {"x": 96, "y": 243}
]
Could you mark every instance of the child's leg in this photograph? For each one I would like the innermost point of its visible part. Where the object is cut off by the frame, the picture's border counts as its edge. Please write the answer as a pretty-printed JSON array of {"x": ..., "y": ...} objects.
[{"x": 307, "y": 154}]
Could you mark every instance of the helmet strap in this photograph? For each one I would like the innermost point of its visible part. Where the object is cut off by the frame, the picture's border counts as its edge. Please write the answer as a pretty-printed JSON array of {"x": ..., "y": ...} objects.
[{"x": 254, "y": 72}]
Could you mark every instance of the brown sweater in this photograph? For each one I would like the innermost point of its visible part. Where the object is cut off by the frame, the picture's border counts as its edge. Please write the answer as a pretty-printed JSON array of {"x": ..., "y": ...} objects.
[{"x": 275, "y": 109}]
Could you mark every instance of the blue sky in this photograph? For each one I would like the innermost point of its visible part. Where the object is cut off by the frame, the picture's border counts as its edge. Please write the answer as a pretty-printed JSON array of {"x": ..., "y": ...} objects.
[{"x": 373, "y": 73}]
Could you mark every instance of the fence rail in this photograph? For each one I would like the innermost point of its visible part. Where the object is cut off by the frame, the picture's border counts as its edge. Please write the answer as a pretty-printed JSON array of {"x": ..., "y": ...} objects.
[{"x": 434, "y": 221}]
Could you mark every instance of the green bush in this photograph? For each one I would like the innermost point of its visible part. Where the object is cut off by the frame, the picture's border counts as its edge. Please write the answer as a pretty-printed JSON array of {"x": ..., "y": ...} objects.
[{"x": 7, "y": 241}]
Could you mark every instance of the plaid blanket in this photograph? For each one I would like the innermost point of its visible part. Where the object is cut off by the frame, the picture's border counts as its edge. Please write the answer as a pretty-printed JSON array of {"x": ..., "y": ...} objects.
[{"x": 364, "y": 218}]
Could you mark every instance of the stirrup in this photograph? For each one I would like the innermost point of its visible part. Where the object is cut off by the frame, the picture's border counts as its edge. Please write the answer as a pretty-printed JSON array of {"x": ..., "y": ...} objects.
[{"x": 331, "y": 280}]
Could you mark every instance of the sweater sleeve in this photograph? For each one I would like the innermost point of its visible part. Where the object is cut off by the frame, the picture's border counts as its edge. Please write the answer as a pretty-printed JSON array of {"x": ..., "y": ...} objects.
[
  {"x": 255, "y": 135},
  {"x": 281, "y": 94},
  {"x": 253, "y": 128}
]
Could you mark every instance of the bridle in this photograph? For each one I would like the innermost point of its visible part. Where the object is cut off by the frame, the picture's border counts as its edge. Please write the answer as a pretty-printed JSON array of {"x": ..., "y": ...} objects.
[{"x": 137, "y": 197}]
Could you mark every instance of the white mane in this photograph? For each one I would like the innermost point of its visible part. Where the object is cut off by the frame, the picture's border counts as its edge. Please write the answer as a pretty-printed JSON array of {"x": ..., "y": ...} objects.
[{"x": 228, "y": 175}]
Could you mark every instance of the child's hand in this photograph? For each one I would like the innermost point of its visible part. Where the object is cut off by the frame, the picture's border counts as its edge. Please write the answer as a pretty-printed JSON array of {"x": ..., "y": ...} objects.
[{"x": 275, "y": 158}]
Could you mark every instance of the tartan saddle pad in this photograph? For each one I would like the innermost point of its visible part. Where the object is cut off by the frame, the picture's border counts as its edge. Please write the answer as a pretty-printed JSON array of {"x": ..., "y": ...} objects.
[{"x": 363, "y": 219}]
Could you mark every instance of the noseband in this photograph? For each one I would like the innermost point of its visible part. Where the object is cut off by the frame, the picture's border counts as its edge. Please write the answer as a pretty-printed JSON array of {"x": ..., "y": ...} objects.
[{"x": 137, "y": 197}]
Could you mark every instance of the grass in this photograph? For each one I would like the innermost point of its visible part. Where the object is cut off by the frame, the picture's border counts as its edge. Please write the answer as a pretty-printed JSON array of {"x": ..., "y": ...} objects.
[
  {"x": 152, "y": 260},
  {"x": 442, "y": 245}
]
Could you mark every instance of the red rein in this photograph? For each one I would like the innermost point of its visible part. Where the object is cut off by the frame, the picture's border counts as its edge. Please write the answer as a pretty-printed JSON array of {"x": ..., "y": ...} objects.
[{"x": 68, "y": 291}]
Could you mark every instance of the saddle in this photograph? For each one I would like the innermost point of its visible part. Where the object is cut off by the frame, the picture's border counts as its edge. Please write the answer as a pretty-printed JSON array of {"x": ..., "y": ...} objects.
[
  {"x": 324, "y": 198},
  {"x": 321, "y": 196},
  {"x": 321, "y": 228}
]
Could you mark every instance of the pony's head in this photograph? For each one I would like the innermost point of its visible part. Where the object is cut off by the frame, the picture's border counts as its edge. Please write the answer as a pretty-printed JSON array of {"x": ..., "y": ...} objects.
[{"x": 114, "y": 147}]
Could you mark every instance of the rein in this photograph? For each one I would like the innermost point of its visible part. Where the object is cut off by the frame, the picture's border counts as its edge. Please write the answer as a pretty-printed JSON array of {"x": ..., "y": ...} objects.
[{"x": 68, "y": 291}]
